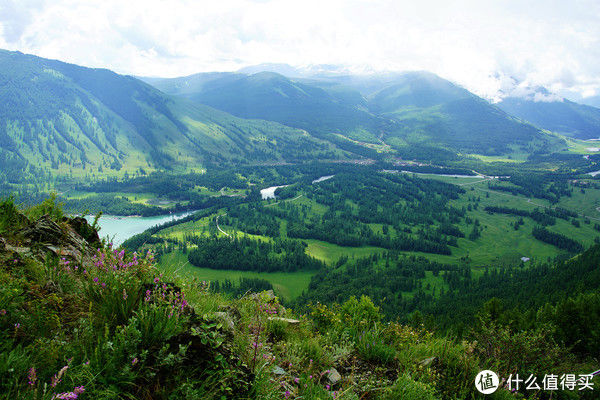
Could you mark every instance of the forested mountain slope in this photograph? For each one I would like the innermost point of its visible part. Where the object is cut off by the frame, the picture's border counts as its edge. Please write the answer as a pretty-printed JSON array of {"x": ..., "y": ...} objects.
[
  {"x": 272, "y": 96},
  {"x": 562, "y": 116},
  {"x": 62, "y": 119},
  {"x": 398, "y": 110},
  {"x": 430, "y": 108}
]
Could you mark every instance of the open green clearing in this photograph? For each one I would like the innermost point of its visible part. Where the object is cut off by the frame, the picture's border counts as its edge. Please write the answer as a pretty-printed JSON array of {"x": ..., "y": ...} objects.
[{"x": 288, "y": 284}]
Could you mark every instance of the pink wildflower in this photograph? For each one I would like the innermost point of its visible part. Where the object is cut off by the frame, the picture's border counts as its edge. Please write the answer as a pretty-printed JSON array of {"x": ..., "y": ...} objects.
[
  {"x": 32, "y": 376},
  {"x": 78, "y": 389},
  {"x": 58, "y": 377}
]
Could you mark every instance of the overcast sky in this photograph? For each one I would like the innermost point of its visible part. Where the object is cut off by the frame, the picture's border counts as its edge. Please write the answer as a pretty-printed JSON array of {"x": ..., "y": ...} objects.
[{"x": 478, "y": 44}]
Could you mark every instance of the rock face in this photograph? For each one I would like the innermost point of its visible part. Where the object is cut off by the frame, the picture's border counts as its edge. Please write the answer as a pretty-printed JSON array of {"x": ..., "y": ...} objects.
[
  {"x": 277, "y": 370},
  {"x": 286, "y": 320},
  {"x": 62, "y": 239},
  {"x": 429, "y": 362},
  {"x": 333, "y": 376},
  {"x": 81, "y": 226},
  {"x": 226, "y": 320}
]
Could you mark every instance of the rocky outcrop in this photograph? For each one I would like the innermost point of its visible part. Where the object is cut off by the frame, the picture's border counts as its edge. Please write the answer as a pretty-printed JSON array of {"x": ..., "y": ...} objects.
[
  {"x": 85, "y": 230},
  {"x": 62, "y": 239}
]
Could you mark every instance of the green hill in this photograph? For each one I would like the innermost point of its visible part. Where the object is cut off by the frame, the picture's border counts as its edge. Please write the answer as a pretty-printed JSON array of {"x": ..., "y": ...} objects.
[
  {"x": 431, "y": 109},
  {"x": 60, "y": 119},
  {"x": 404, "y": 112},
  {"x": 271, "y": 96},
  {"x": 565, "y": 117}
]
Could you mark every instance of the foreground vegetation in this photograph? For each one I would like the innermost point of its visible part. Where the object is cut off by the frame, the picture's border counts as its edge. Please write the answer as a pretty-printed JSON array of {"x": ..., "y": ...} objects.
[{"x": 82, "y": 320}]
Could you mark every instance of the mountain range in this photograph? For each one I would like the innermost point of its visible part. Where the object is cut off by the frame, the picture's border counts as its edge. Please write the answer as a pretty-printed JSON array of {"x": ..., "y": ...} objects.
[
  {"x": 400, "y": 112},
  {"x": 555, "y": 114},
  {"x": 60, "y": 119},
  {"x": 70, "y": 120}
]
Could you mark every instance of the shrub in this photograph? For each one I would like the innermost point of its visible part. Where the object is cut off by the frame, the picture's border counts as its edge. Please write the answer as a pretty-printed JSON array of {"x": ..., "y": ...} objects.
[
  {"x": 371, "y": 347},
  {"x": 406, "y": 388}
]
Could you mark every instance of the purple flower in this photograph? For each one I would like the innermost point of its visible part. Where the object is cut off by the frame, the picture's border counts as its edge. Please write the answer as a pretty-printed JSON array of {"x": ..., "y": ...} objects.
[
  {"x": 78, "y": 389},
  {"x": 57, "y": 378},
  {"x": 134, "y": 361},
  {"x": 32, "y": 376},
  {"x": 17, "y": 325},
  {"x": 287, "y": 394},
  {"x": 66, "y": 396},
  {"x": 296, "y": 380},
  {"x": 96, "y": 279},
  {"x": 124, "y": 294},
  {"x": 54, "y": 381}
]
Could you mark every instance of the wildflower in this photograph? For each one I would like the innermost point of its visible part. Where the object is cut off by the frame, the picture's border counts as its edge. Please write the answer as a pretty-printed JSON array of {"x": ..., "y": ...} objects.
[
  {"x": 287, "y": 394},
  {"x": 17, "y": 325},
  {"x": 103, "y": 284},
  {"x": 156, "y": 280},
  {"x": 124, "y": 294},
  {"x": 310, "y": 377},
  {"x": 57, "y": 377},
  {"x": 32, "y": 376},
  {"x": 54, "y": 381},
  {"x": 96, "y": 279},
  {"x": 147, "y": 297},
  {"x": 78, "y": 389},
  {"x": 296, "y": 380},
  {"x": 66, "y": 396},
  {"x": 134, "y": 361},
  {"x": 3, "y": 312},
  {"x": 327, "y": 387}
]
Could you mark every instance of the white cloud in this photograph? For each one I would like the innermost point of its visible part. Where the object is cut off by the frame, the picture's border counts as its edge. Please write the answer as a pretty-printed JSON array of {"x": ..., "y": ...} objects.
[{"x": 553, "y": 43}]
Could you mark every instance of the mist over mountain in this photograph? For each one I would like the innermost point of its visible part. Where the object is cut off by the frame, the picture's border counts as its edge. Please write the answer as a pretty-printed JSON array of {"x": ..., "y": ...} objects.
[
  {"x": 593, "y": 101},
  {"x": 552, "y": 112}
]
